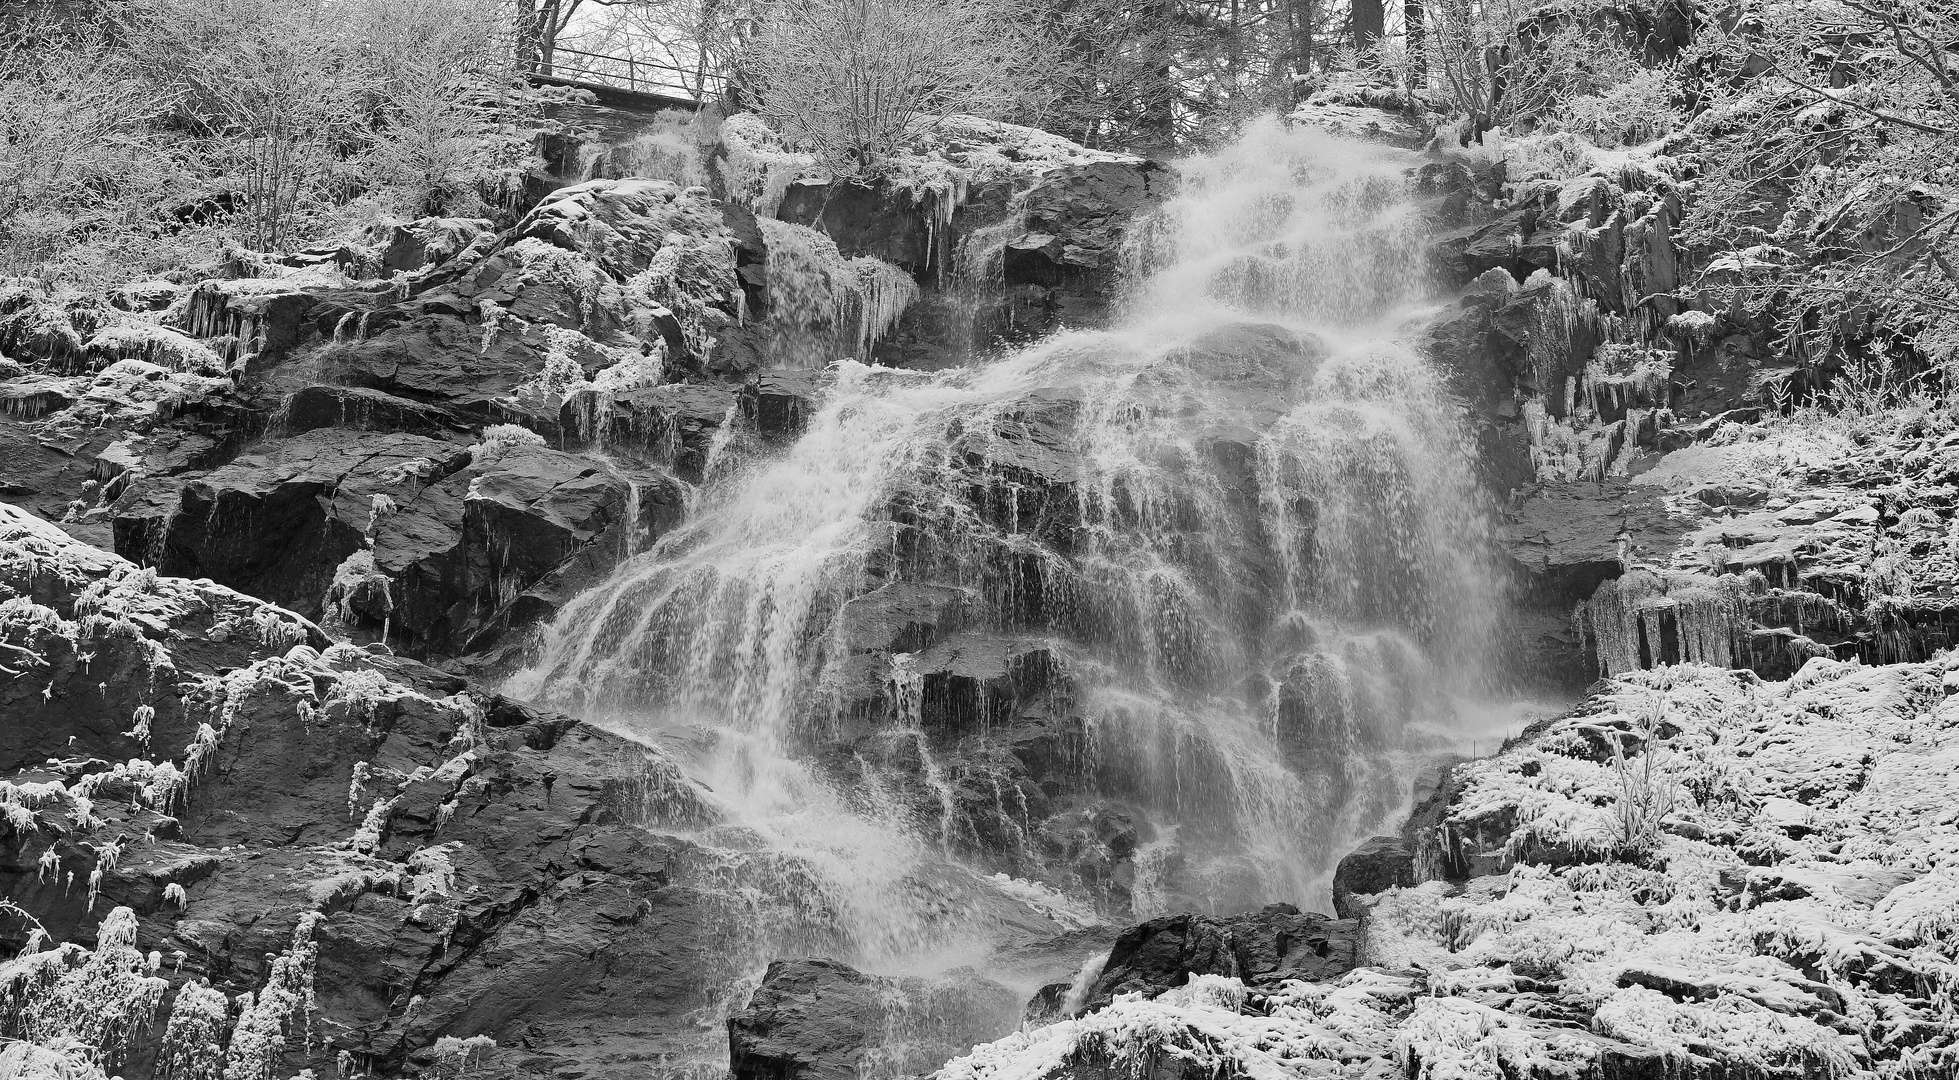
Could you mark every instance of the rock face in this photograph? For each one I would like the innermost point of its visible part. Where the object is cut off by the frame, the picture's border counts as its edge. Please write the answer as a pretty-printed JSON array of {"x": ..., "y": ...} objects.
[
  {"x": 1060, "y": 268},
  {"x": 818, "y": 1019},
  {"x": 1038, "y": 248},
  {"x": 242, "y": 429},
  {"x": 442, "y": 861},
  {"x": 285, "y": 805},
  {"x": 454, "y": 537},
  {"x": 1634, "y": 434}
]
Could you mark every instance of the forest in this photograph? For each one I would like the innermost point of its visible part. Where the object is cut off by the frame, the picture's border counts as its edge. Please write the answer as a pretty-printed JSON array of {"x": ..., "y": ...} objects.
[{"x": 150, "y": 137}]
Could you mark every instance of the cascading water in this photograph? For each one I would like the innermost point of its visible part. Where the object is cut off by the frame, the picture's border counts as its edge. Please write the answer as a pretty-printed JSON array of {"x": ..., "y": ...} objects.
[{"x": 1159, "y": 616}]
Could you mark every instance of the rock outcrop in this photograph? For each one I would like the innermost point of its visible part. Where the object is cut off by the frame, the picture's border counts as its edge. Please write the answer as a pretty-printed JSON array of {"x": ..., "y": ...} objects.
[
  {"x": 427, "y": 858},
  {"x": 421, "y": 446},
  {"x": 1695, "y": 874},
  {"x": 452, "y": 534}
]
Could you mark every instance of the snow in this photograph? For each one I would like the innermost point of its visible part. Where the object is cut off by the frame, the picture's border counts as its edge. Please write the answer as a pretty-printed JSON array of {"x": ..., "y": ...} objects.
[
  {"x": 1793, "y": 915},
  {"x": 498, "y": 438}
]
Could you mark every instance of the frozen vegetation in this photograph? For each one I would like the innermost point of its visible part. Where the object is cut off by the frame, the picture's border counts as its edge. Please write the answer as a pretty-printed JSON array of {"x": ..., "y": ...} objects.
[{"x": 1696, "y": 873}]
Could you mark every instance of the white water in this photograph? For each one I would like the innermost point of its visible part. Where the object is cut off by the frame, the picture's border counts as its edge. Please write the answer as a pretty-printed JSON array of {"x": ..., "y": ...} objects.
[{"x": 1242, "y": 525}]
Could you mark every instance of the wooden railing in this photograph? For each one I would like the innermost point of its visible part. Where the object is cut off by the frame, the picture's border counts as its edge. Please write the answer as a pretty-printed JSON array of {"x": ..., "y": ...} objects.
[{"x": 629, "y": 73}]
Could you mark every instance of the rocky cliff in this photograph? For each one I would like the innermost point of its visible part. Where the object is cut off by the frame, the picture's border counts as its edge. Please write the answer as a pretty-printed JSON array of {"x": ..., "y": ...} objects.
[{"x": 272, "y": 838}]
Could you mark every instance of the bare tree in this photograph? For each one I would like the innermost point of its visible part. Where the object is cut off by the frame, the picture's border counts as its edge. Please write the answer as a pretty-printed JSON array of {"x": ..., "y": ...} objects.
[
  {"x": 854, "y": 80},
  {"x": 1826, "y": 201}
]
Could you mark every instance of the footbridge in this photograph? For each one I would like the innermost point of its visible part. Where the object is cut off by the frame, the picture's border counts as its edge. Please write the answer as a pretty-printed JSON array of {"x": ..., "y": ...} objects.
[{"x": 627, "y": 82}]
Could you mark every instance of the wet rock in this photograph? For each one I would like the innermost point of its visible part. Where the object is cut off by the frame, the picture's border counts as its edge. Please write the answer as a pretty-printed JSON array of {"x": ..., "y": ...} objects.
[
  {"x": 780, "y": 402},
  {"x": 809, "y": 1020},
  {"x": 453, "y": 539},
  {"x": 1258, "y": 948},
  {"x": 428, "y": 242},
  {"x": 253, "y": 323},
  {"x": 476, "y": 868},
  {"x": 675, "y": 425},
  {"x": 902, "y": 616},
  {"x": 364, "y": 409},
  {"x": 277, "y": 523},
  {"x": 436, "y": 360},
  {"x": 871, "y": 219},
  {"x": 1070, "y": 241},
  {"x": 818, "y": 1019},
  {"x": 1384, "y": 862}
]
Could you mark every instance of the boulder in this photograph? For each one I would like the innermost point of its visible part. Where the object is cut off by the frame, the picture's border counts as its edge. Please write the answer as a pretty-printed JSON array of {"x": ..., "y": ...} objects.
[
  {"x": 584, "y": 260},
  {"x": 1259, "y": 948},
  {"x": 252, "y": 322},
  {"x": 809, "y": 1020},
  {"x": 437, "y": 360},
  {"x": 1384, "y": 862},
  {"x": 428, "y": 242},
  {"x": 819, "y": 1019},
  {"x": 780, "y": 402},
  {"x": 364, "y": 409}
]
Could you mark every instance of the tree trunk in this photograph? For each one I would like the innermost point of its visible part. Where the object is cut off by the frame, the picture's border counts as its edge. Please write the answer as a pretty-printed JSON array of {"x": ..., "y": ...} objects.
[
  {"x": 1159, "y": 111},
  {"x": 1370, "y": 23},
  {"x": 530, "y": 36},
  {"x": 1413, "y": 23},
  {"x": 1300, "y": 13}
]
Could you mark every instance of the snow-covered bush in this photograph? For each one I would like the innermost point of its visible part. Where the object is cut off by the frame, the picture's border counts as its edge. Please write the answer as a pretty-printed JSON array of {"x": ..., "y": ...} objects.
[
  {"x": 458, "y": 1057},
  {"x": 498, "y": 438},
  {"x": 358, "y": 586},
  {"x": 192, "y": 1047},
  {"x": 101, "y": 999},
  {"x": 268, "y": 1018},
  {"x": 57, "y": 1059},
  {"x": 853, "y": 83}
]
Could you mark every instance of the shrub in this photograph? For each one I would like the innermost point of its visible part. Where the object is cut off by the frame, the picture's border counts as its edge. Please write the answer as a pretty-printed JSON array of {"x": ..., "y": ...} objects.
[
  {"x": 852, "y": 81},
  {"x": 84, "y": 178}
]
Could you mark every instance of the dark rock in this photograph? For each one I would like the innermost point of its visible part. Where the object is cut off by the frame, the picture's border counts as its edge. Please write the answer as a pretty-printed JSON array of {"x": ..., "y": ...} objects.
[
  {"x": 1259, "y": 948},
  {"x": 560, "y": 922},
  {"x": 459, "y": 541},
  {"x": 276, "y": 524},
  {"x": 252, "y": 324},
  {"x": 780, "y": 402},
  {"x": 674, "y": 425},
  {"x": 867, "y": 219},
  {"x": 364, "y": 409},
  {"x": 1069, "y": 247},
  {"x": 809, "y": 1020},
  {"x": 818, "y": 1019},
  {"x": 437, "y": 360},
  {"x": 1384, "y": 862},
  {"x": 418, "y": 245}
]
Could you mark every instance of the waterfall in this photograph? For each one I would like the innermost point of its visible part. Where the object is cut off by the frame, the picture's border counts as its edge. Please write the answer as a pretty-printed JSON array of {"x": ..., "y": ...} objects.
[{"x": 1160, "y": 616}]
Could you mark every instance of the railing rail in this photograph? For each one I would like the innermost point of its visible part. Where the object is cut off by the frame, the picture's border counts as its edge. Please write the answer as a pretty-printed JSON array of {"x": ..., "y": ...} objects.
[{"x": 630, "y": 73}]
